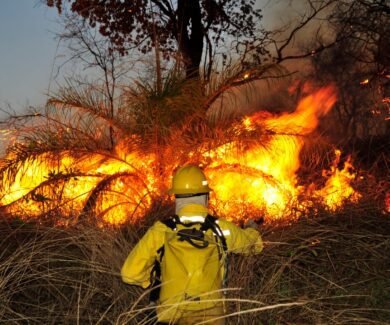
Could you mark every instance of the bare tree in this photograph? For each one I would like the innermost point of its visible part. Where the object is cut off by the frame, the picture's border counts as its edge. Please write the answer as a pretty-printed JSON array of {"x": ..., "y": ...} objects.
[
  {"x": 94, "y": 54},
  {"x": 359, "y": 65}
]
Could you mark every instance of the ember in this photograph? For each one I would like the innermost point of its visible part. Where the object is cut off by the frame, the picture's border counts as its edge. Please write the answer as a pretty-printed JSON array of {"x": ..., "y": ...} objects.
[{"x": 247, "y": 180}]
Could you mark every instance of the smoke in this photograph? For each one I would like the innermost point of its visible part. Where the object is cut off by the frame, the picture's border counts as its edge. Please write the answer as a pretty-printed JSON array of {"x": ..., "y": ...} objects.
[
  {"x": 286, "y": 21},
  {"x": 298, "y": 26}
]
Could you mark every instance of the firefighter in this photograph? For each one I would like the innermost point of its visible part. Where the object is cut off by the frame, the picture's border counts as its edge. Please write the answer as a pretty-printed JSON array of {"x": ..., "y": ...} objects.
[{"x": 188, "y": 255}]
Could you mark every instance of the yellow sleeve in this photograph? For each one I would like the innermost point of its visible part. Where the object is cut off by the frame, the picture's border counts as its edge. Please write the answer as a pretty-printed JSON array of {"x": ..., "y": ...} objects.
[
  {"x": 241, "y": 241},
  {"x": 139, "y": 263}
]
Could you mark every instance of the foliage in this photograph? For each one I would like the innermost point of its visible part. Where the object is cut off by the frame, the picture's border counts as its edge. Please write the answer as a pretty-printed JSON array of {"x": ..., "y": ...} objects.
[{"x": 182, "y": 26}]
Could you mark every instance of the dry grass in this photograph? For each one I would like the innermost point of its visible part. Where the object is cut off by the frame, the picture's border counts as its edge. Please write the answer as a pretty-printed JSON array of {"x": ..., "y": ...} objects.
[
  {"x": 331, "y": 269},
  {"x": 337, "y": 265}
]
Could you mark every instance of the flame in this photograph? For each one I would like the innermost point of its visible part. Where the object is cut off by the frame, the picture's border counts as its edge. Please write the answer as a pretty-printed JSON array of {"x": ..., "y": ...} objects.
[
  {"x": 387, "y": 202},
  {"x": 69, "y": 184},
  {"x": 249, "y": 178},
  {"x": 261, "y": 181},
  {"x": 337, "y": 188}
]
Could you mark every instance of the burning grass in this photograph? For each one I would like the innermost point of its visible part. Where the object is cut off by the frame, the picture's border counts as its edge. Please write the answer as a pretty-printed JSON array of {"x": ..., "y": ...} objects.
[
  {"x": 252, "y": 165},
  {"x": 328, "y": 269}
]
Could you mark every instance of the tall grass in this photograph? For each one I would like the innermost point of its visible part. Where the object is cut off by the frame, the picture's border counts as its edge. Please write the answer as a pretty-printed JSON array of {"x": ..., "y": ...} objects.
[{"x": 329, "y": 269}]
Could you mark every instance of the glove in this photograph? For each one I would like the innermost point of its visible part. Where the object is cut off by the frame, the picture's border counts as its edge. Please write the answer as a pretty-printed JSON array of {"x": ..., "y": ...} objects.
[{"x": 250, "y": 223}]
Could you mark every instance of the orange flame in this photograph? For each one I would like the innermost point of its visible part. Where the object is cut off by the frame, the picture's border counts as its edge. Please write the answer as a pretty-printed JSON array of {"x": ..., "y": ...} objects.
[
  {"x": 261, "y": 181},
  {"x": 337, "y": 188},
  {"x": 249, "y": 178},
  {"x": 387, "y": 202}
]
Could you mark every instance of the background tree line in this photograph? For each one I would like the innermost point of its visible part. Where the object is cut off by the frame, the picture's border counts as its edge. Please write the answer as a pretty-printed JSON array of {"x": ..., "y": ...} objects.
[{"x": 347, "y": 44}]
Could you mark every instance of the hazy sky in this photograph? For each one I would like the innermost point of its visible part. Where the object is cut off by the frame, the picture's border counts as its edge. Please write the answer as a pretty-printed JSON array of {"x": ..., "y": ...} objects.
[{"x": 27, "y": 52}]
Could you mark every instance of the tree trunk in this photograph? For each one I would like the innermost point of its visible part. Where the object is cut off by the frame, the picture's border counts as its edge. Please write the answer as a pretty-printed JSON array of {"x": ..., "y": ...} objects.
[{"x": 190, "y": 35}]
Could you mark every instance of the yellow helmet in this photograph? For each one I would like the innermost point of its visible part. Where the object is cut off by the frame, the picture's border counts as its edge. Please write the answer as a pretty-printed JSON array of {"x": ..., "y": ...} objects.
[{"x": 189, "y": 180}]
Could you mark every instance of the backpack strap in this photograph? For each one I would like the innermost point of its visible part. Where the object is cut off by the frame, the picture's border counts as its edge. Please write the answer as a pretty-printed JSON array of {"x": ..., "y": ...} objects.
[
  {"x": 194, "y": 237},
  {"x": 191, "y": 235},
  {"x": 172, "y": 221},
  {"x": 155, "y": 277},
  {"x": 211, "y": 223}
]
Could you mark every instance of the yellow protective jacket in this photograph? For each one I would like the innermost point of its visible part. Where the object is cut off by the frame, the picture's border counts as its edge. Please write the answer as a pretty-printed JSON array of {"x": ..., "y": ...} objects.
[{"x": 138, "y": 266}]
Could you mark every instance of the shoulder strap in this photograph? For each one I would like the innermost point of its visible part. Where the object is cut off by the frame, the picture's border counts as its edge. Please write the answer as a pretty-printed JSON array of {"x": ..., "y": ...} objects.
[{"x": 211, "y": 223}]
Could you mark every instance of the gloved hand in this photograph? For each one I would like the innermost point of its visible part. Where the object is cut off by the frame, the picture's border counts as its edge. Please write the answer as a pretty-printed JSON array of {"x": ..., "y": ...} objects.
[{"x": 250, "y": 223}]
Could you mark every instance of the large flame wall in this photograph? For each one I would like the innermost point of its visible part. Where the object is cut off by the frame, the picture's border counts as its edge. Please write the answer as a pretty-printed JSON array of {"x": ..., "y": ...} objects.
[{"x": 254, "y": 178}]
